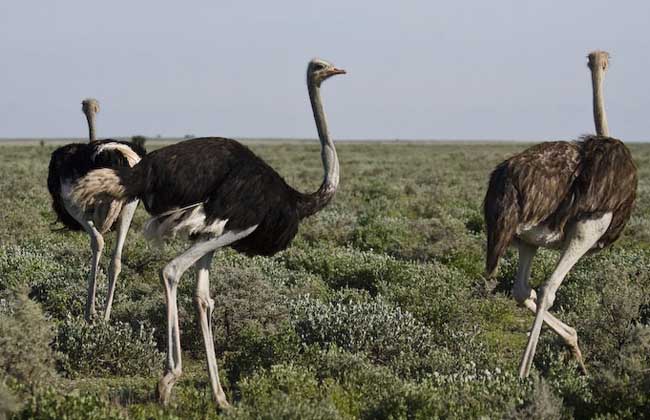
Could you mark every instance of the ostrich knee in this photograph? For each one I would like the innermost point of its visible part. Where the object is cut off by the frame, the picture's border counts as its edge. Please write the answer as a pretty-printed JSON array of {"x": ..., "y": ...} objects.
[
  {"x": 97, "y": 243},
  {"x": 169, "y": 276},
  {"x": 204, "y": 303},
  {"x": 116, "y": 267},
  {"x": 523, "y": 293},
  {"x": 548, "y": 297}
]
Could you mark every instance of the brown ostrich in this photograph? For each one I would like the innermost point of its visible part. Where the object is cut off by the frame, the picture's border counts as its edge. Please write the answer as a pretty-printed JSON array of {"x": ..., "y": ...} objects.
[{"x": 572, "y": 196}]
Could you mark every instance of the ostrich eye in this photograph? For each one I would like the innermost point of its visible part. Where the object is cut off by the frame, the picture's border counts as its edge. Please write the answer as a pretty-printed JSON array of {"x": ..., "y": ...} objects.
[{"x": 319, "y": 67}]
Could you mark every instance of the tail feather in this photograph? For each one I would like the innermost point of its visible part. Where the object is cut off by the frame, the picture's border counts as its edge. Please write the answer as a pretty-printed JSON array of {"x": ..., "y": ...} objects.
[
  {"x": 501, "y": 211},
  {"x": 106, "y": 214},
  {"x": 97, "y": 187}
]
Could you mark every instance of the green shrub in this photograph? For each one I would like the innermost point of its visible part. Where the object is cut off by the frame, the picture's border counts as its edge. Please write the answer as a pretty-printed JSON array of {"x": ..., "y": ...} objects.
[
  {"x": 144, "y": 303},
  {"x": 391, "y": 235},
  {"x": 245, "y": 299},
  {"x": 542, "y": 404},
  {"x": 334, "y": 225},
  {"x": 382, "y": 331},
  {"x": 621, "y": 386},
  {"x": 9, "y": 402},
  {"x": 339, "y": 267},
  {"x": 58, "y": 284},
  {"x": 361, "y": 389},
  {"x": 30, "y": 264},
  {"x": 285, "y": 391},
  {"x": 25, "y": 336},
  {"x": 254, "y": 349},
  {"x": 52, "y": 405},
  {"x": 106, "y": 349},
  {"x": 431, "y": 292}
]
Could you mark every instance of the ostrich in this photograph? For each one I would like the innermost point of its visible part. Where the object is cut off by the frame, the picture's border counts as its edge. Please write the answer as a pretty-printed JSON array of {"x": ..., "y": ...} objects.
[
  {"x": 71, "y": 162},
  {"x": 220, "y": 194},
  {"x": 572, "y": 196}
]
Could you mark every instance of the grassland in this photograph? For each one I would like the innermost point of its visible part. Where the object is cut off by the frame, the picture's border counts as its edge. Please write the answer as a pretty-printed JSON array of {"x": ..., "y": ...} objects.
[{"x": 378, "y": 310}]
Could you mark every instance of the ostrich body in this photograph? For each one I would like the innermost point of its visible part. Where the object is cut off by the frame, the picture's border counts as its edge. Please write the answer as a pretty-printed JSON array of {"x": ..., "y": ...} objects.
[
  {"x": 67, "y": 165},
  {"x": 220, "y": 194},
  {"x": 572, "y": 196}
]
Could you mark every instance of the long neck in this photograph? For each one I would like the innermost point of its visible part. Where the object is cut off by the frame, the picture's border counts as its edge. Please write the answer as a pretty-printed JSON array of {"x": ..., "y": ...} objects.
[
  {"x": 312, "y": 203},
  {"x": 600, "y": 118},
  {"x": 90, "y": 116}
]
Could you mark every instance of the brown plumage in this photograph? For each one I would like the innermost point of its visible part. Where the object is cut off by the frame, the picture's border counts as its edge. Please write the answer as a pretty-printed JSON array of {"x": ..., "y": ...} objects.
[
  {"x": 573, "y": 196},
  {"x": 556, "y": 184}
]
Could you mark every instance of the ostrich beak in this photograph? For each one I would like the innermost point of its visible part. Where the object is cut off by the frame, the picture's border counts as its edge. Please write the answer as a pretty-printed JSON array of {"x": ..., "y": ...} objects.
[{"x": 336, "y": 70}]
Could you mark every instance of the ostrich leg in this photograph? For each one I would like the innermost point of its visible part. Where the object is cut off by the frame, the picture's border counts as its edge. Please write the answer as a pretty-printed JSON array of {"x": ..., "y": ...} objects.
[
  {"x": 170, "y": 276},
  {"x": 526, "y": 296},
  {"x": 97, "y": 246},
  {"x": 115, "y": 267},
  {"x": 205, "y": 306},
  {"x": 580, "y": 239}
]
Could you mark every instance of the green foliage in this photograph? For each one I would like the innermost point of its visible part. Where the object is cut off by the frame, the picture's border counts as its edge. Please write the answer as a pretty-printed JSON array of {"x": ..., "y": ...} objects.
[
  {"x": 255, "y": 349},
  {"x": 378, "y": 310},
  {"x": 412, "y": 286},
  {"x": 385, "y": 333},
  {"x": 622, "y": 385},
  {"x": 106, "y": 349},
  {"x": 25, "y": 335},
  {"x": 542, "y": 404},
  {"x": 26, "y": 360},
  {"x": 285, "y": 391},
  {"x": 52, "y": 405},
  {"x": 245, "y": 299},
  {"x": 8, "y": 401}
]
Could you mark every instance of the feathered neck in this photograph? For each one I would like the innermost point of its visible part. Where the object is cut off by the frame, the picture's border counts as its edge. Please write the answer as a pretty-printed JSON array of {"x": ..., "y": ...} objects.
[{"x": 308, "y": 204}]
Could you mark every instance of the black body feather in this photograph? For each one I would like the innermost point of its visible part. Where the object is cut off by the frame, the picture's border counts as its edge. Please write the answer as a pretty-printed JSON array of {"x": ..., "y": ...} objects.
[
  {"x": 71, "y": 162},
  {"x": 232, "y": 183}
]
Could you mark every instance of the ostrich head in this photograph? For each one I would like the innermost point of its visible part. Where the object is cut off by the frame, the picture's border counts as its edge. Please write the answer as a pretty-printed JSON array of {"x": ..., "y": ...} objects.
[
  {"x": 90, "y": 106},
  {"x": 598, "y": 60},
  {"x": 319, "y": 70},
  {"x": 598, "y": 63}
]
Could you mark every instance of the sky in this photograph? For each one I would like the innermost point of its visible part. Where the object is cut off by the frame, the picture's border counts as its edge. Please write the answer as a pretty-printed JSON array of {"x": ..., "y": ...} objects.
[{"x": 498, "y": 69}]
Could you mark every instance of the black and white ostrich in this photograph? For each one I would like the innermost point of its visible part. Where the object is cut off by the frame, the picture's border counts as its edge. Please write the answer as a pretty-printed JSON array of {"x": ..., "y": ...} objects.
[
  {"x": 220, "y": 194},
  {"x": 572, "y": 196},
  {"x": 67, "y": 165}
]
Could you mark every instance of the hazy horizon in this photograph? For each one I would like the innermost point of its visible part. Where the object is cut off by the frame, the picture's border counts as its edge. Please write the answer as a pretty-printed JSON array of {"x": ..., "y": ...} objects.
[{"x": 416, "y": 70}]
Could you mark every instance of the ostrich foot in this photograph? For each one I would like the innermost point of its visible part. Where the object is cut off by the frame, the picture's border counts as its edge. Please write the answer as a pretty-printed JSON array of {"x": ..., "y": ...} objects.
[
  {"x": 222, "y": 403},
  {"x": 165, "y": 386}
]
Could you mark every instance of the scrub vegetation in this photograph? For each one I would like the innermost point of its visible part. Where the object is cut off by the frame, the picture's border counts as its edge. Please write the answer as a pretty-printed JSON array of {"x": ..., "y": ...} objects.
[{"x": 378, "y": 310}]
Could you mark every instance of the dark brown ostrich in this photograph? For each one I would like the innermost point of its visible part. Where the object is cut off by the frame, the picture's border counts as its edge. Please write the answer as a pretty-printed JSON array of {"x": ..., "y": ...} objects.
[
  {"x": 220, "y": 194},
  {"x": 572, "y": 196},
  {"x": 69, "y": 163}
]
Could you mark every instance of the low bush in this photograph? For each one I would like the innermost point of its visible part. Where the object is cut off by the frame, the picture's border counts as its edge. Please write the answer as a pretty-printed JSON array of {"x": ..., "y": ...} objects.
[
  {"x": 431, "y": 292},
  {"x": 284, "y": 391},
  {"x": 387, "y": 335},
  {"x": 52, "y": 405},
  {"x": 621, "y": 385},
  {"x": 254, "y": 349},
  {"x": 106, "y": 349},
  {"x": 9, "y": 402},
  {"x": 376, "y": 328},
  {"x": 25, "y": 337}
]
